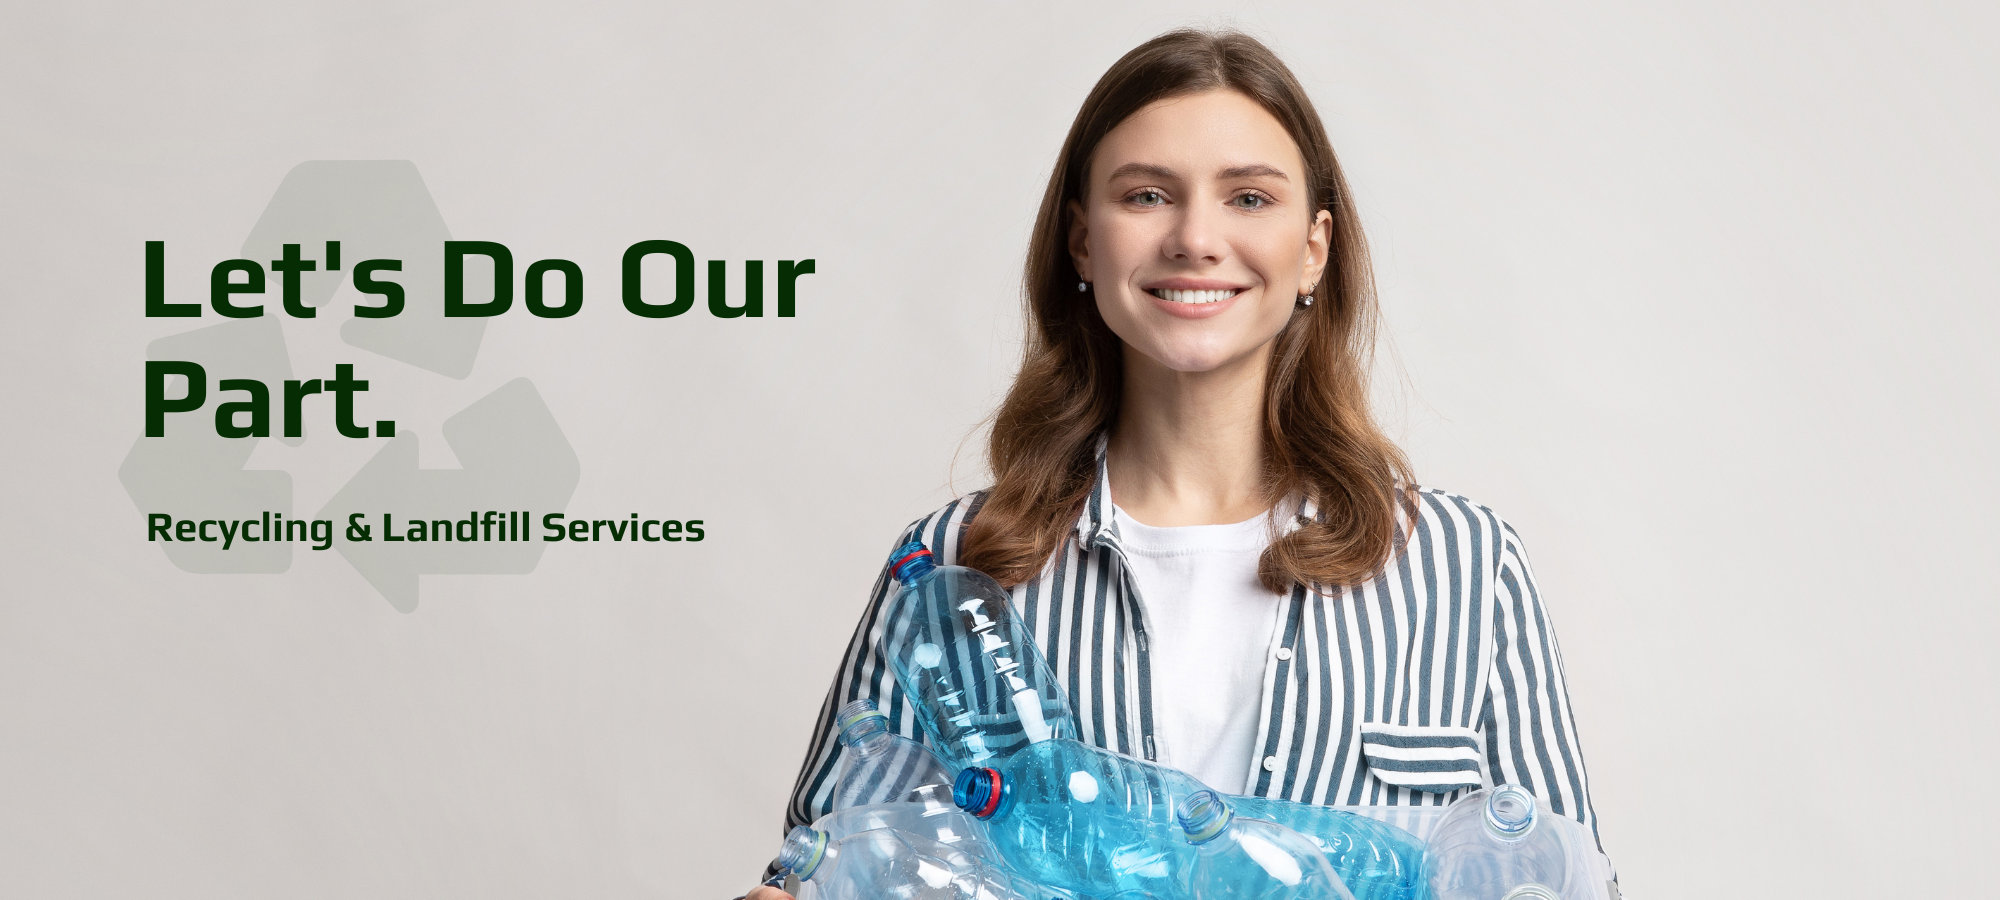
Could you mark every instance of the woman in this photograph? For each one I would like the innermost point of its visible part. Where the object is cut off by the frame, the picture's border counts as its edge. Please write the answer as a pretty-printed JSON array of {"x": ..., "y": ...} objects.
[{"x": 1227, "y": 564}]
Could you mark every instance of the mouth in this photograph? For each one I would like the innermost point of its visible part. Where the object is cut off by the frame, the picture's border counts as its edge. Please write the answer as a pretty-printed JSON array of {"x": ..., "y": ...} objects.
[{"x": 1194, "y": 298}]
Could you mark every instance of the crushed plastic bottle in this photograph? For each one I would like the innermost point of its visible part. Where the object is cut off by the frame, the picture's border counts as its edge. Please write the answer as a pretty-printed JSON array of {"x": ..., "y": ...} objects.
[
  {"x": 1375, "y": 860},
  {"x": 1097, "y": 822},
  {"x": 1084, "y": 819},
  {"x": 979, "y": 684},
  {"x": 924, "y": 818},
  {"x": 881, "y": 767},
  {"x": 1498, "y": 844},
  {"x": 886, "y": 864},
  {"x": 1252, "y": 859}
]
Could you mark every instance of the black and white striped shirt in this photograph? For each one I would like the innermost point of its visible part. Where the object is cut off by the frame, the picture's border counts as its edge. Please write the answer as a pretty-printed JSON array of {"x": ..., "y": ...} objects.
[{"x": 1438, "y": 677}]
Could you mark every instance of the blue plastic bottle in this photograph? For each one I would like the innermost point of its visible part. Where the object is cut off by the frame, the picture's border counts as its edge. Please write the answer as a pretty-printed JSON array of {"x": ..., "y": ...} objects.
[
  {"x": 980, "y": 686},
  {"x": 1252, "y": 859},
  {"x": 1098, "y": 822},
  {"x": 1375, "y": 860},
  {"x": 1083, "y": 818},
  {"x": 881, "y": 767},
  {"x": 1497, "y": 844}
]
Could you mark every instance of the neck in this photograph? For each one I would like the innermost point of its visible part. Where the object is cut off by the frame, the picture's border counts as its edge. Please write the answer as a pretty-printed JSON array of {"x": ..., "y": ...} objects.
[{"x": 1188, "y": 447}]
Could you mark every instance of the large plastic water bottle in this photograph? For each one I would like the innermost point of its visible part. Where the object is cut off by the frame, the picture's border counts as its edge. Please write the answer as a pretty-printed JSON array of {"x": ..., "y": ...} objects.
[
  {"x": 1098, "y": 822},
  {"x": 1375, "y": 860},
  {"x": 940, "y": 822},
  {"x": 885, "y": 864},
  {"x": 979, "y": 684},
  {"x": 881, "y": 767},
  {"x": 1083, "y": 818},
  {"x": 1252, "y": 859},
  {"x": 1498, "y": 844}
]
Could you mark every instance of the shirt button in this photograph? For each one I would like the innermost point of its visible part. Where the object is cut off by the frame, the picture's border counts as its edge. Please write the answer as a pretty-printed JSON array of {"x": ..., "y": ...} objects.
[
  {"x": 1284, "y": 653},
  {"x": 1270, "y": 764}
]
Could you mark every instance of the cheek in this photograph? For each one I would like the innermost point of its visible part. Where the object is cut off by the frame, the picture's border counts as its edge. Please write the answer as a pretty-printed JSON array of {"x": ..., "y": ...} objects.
[
  {"x": 1274, "y": 317},
  {"x": 1121, "y": 243},
  {"x": 1278, "y": 254}
]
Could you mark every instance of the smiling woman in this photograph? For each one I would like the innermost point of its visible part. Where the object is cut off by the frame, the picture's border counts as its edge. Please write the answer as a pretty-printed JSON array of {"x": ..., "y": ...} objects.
[
  {"x": 1199, "y": 207},
  {"x": 1231, "y": 569}
]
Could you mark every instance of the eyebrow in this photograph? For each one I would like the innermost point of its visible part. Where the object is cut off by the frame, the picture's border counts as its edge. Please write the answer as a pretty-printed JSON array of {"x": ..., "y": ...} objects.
[{"x": 1255, "y": 170}]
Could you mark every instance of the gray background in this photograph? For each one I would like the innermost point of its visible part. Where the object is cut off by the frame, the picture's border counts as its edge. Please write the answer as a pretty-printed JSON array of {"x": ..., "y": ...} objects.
[{"x": 1699, "y": 295}]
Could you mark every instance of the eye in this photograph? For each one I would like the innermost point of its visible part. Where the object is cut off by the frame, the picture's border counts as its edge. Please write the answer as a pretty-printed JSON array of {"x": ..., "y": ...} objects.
[
  {"x": 1147, "y": 197},
  {"x": 1249, "y": 201}
]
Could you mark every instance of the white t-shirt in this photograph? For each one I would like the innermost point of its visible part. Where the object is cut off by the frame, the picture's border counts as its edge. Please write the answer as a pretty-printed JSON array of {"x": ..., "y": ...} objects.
[{"x": 1211, "y": 634}]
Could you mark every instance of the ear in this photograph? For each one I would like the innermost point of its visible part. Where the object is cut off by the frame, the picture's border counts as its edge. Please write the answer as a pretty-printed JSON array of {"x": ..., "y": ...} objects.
[
  {"x": 1079, "y": 243},
  {"x": 1318, "y": 239}
]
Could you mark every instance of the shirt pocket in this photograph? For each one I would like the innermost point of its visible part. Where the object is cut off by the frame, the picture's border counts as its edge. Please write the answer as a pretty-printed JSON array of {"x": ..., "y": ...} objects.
[{"x": 1435, "y": 759}]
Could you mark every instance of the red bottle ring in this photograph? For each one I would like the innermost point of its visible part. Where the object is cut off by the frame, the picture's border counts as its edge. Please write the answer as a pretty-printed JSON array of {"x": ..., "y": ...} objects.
[{"x": 992, "y": 796}]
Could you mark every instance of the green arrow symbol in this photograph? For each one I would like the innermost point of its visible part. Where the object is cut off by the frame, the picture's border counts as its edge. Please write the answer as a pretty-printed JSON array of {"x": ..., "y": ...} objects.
[
  {"x": 377, "y": 208},
  {"x": 514, "y": 457},
  {"x": 192, "y": 473}
]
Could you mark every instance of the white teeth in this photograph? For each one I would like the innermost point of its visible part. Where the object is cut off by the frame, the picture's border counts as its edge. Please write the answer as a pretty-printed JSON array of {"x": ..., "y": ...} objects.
[{"x": 1173, "y": 296}]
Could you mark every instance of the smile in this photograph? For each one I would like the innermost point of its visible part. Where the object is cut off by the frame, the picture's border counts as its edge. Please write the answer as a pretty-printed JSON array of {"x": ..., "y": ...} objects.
[{"x": 1193, "y": 298}]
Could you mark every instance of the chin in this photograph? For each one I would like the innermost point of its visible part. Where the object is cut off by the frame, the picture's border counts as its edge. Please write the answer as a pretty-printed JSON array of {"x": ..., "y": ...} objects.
[{"x": 1194, "y": 359}]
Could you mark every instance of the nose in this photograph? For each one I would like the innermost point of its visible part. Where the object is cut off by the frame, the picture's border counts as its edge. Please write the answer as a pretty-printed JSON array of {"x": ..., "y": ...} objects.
[{"x": 1196, "y": 237}]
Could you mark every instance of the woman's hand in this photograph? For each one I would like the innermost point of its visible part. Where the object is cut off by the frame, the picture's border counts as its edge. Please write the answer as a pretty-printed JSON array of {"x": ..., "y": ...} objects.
[{"x": 767, "y": 892}]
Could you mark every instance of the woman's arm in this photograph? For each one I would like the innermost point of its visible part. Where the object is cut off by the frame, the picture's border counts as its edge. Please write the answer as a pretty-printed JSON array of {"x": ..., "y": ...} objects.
[{"x": 1530, "y": 732}]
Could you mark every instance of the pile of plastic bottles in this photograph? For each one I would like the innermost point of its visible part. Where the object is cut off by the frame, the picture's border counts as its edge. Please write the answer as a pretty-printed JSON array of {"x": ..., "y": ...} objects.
[{"x": 1006, "y": 804}]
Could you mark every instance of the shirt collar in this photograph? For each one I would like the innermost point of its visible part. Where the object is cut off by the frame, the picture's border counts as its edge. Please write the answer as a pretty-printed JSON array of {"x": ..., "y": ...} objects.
[{"x": 1096, "y": 524}]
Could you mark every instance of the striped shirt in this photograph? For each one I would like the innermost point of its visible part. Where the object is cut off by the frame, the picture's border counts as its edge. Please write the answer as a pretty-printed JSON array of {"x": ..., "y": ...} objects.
[{"x": 1439, "y": 676}]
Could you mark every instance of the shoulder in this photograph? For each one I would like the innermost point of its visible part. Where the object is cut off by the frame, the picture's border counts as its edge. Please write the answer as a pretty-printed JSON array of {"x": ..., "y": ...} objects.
[
  {"x": 1451, "y": 519},
  {"x": 943, "y": 529}
]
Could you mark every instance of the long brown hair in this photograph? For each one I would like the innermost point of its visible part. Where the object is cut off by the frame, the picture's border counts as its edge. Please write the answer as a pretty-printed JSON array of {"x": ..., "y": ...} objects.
[{"x": 1321, "y": 442}]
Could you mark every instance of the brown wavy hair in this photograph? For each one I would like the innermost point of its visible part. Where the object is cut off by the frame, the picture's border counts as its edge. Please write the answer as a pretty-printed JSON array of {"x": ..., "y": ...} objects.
[{"x": 1321, "y": 441}]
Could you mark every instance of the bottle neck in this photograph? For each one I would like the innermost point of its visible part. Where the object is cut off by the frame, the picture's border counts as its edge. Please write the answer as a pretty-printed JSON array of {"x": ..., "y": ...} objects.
[
  {"x": 911, "y": 562},
  {"x": 1510, "y": 813},
  {"x": 863, "y": 728},
  {"x": 1204, "y": 816},
  {"x": 808, "y": 853},
  {"x": 981, "y": 792},
  {"x": 872, "y": 744}
]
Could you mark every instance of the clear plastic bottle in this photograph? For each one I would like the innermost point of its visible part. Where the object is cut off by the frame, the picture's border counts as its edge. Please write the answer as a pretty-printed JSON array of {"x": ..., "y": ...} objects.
[
  {"x": 881, "y": 767},
  {"x": 1084, "y": 819},
  {"x": 1252, "y": 859},
  {"x": 886, "y": 864},
  {"x": 1497, "y": 844},
  {"x": 1375, "y": 860},
  {"x": 980, "y": 686},
  {"x": 924, "y": 818}
]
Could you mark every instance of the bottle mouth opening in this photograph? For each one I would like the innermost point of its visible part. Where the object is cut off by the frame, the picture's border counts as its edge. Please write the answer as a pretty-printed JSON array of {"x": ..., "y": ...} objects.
[
  {"x": 911, "y": 561},
  {"x": 804, "y": 849},
  {"x": 860, "y": 719},
  {"x": 1510, "y": 815},
  {"x": 979, "y": 791},
  {"x": 1531, "y": 891},
  {"x": 1203, "y": 815}
]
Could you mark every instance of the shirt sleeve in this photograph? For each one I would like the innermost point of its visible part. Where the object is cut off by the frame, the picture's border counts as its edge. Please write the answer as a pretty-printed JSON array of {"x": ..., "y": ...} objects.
[
  {"x": 864, "y": 674},
  {"x": 1530, "y": 731}
]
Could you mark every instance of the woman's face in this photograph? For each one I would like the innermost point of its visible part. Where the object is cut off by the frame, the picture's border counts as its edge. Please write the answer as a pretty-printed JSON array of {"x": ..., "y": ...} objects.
[{"x": 1197, "y": 233}]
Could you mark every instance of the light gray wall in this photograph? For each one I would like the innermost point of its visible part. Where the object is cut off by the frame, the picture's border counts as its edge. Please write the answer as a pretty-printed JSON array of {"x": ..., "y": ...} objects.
[{"x": 1700, "y": 296}]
